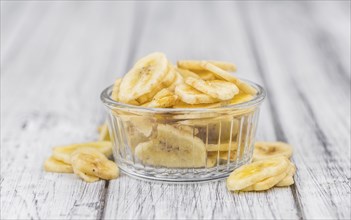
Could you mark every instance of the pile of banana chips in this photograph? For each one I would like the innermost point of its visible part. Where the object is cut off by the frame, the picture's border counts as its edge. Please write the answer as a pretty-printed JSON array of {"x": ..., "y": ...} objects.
[{"x": 154, "y": 82}]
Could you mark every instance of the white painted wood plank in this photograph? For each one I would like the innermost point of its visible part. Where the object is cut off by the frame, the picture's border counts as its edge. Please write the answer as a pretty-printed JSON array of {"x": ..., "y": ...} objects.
[
  {"x": 50, "y": 96},
  {"x": 310, "y": 106},
  {"x": 201, "y": 36}
]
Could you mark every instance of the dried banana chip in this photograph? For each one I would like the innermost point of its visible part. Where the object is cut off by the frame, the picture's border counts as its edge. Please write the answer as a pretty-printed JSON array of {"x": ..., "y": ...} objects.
[
  {"x": 56, "y": 166},
  {"x": 86, "y": 177},
  {"x": 192, "y": 96},
  {"x": 144, "y": 77},
  {"x": 250, "y": 174},
  {"x": 115, "y": 89},
  {"x": 246, "y": 88},
  {"x": 196, "y": 65},
  {"x": 222, "y": 147},
  {"x": 217, "y": 89},
  {"x": 94, "y": 163},
  {"x": 64, "y": 153},
  {"x": 163, "y": 99},
  {"x": 264, "y": 150}
]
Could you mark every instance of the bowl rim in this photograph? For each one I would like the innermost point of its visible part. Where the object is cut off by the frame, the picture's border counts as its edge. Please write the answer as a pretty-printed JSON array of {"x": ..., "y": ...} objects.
[{"x": 106, "y": 99}]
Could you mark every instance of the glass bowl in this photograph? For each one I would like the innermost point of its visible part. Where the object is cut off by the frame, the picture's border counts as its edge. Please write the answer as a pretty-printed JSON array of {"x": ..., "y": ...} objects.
[{"x": 182, "y": 144}]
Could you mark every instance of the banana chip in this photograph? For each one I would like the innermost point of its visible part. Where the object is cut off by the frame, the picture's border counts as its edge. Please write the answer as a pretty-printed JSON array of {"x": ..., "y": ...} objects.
[
  {"x": 144, "y": 77},
  {"x": 162, "y": 99},
  {"x": 172, "y": 148},
  {"x": 264, "y": 150},
  {"x": 64, "y": 153},
  {"x": 104, "y": 134},
  {"x": 217, "y": 89},
  {"x": 250, "y": 174},
  {"x": 229, "y": 77},
  {"x": 94, "y": 163},
  {"x": 192, "y": 96},
  {"x": 115, "y": 89},
  {"x": 196, "y": 65},
  {"x": 86, "y": 177},
  {"x": 56, "y": 166}
]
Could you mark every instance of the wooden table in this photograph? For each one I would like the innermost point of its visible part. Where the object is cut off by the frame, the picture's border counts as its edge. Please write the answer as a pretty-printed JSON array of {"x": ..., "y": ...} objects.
[{"x": 56, "y": 57}]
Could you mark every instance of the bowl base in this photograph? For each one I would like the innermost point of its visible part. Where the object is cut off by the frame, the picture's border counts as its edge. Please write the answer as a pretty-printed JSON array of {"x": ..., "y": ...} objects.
[{"x": 181, "y": 175}]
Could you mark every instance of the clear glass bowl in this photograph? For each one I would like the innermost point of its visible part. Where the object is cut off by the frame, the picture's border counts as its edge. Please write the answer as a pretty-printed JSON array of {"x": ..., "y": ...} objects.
[{"x": 182, "y": 144}]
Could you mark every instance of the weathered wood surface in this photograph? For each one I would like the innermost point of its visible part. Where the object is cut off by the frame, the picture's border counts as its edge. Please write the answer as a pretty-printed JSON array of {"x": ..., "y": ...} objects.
[{"x": 56, "y": 57}]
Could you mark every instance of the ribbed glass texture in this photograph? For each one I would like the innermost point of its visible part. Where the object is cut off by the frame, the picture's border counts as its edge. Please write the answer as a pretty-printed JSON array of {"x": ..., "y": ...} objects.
[{"x": 182, "y": 145}]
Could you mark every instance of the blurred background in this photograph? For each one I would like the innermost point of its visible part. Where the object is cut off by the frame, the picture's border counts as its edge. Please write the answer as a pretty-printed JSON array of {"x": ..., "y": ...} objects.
[{"x": 57, "y": 56}]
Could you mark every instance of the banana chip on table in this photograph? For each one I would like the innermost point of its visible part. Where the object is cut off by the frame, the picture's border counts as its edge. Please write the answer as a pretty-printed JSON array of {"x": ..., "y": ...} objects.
[
  {"x": 265, "y": 150},
  {"x": 288, "y": 179},
  {"x": 92, "y": 162},
  {"x": 63, "y": 153},
  {"x": 56, "y": 166},
  {"x": 104, "y": 133},
  {"x": 255, "y": 172}
]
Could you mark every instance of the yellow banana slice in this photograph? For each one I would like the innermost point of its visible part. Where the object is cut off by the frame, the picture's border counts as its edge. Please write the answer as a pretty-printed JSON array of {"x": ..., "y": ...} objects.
[
  {"x": 266, "y": 183},
  {"x": 188, "y": 129},
  {"x": 163, "y": 99},
  {"x": 103, "y": 133},
  {"x": 63, "y": 153},
  {"x": 177, "y": 81},
  {"x": 172, "y": 148},
  {"x": 250, "y": 174},
  {"x": 115, "y": 89},
  {"x": 264, "y": 150},
  {"x": 144, "y": 77},
  {"x": 223, "y": 156},
  {"x": 143, "y": 124},
  {"x": 217, "y": 89},
  {"x": 166, "y": 82},
  {"x": 222, "y": 147},
  {"x": 205, "y": 75},
  {"x": 56, "y": 166},
  {"x": 196, "y": 65},
  {"x": 187, "y": 73},
  {"x": 86, "y": 177},
  {"x": 192, "y": 96},
  {"x": 94, "y": 163},
  {"x": 229, "y": 77},
  {"x": 240, "y": 98},
  {"x": 288, "y": 179}
]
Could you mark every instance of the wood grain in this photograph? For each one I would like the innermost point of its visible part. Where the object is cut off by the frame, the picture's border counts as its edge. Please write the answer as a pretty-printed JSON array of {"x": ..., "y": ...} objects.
[{"x": 56, "y": 57}]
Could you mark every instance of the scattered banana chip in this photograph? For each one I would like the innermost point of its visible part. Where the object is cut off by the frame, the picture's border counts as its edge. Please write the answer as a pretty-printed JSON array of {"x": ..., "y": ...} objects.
[
  {"x": 196, "y": 65},
  {"x": 217, "y": 89},
  {"x": 264, "y": 150},
  {"x": 92, "y": 162},
  {"x": 56, "y": 166},
  {"x": 250, "y": 174},
  {"x": 192, "y": 96},
  {"x": 144, "y": 77},
  {"x": 64, "y": 153},
  {"x": 86, "y": 177},
  {"x": 103, "y": 133},
  {"x": 288, "y": 179},
  {"x": 266, "y": 183}
]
